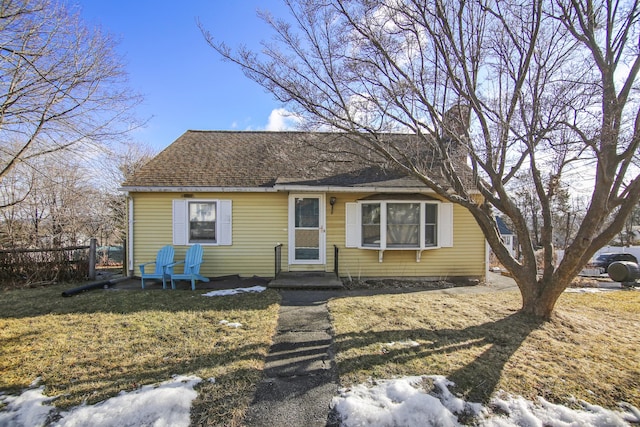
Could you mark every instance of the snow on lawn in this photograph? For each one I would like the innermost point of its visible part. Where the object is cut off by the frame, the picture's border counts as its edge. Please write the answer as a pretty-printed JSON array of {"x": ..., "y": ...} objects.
[
  {"x": 230, "y": 324},
  {"x": 588, "y": 290},
  {"x": 166, "y": 404},
  {"x": 400, "y": 402},
  {"x": 225, "y": 292},
  {"x": 403, "y": 402}
]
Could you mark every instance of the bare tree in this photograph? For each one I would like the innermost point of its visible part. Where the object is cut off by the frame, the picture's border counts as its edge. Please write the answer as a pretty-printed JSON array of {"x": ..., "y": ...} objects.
[
  {"x": 61, "y": 209},
  {"x": 628, "y": 236},
  {"x": 69, "y": 199},
  {"x": 62, "y": 85},
  {"x": 122, "y": 164},
  {"x": 545, "y": 87}
]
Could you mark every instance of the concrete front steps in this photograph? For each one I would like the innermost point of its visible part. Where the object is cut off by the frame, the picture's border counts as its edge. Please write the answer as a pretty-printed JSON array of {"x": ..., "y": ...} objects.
[{"x": 306, "y": 280}]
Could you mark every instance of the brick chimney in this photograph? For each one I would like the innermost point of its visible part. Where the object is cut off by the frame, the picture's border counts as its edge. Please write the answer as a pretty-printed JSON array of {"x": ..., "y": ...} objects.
[{"x": 455, "y": 125}]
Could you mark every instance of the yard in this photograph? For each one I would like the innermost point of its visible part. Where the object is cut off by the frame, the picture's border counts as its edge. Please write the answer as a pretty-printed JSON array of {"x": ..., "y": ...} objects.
[
  {"x": 94, "y": 345},
  {"x": 589, "y": 350}
]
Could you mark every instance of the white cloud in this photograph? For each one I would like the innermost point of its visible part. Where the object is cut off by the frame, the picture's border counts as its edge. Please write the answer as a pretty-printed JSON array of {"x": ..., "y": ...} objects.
[{"x": 281, "y": 120}]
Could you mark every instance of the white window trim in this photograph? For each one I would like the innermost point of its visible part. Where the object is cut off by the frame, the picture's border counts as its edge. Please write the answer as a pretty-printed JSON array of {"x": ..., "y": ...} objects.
[
  {"x": 444, "y": 226},
  {"x": 321, "y": 229},
  {"x": 180, "y": 222}
]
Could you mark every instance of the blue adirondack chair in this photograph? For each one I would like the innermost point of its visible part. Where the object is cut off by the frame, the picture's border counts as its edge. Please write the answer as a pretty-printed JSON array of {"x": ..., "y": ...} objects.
[
  {"x": 162, "y": 268},
  {"x": 192, "y": 261}
]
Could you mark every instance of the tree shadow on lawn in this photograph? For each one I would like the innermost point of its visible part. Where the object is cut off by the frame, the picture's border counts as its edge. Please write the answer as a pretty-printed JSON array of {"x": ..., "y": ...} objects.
[
  {"x": 96, "y": 382},
  {"x": 237, "y": 368},
  {"x": 490, "y": 346},
  {"x": 221, "y": 400},
  {"x": 36, "y": 302}
]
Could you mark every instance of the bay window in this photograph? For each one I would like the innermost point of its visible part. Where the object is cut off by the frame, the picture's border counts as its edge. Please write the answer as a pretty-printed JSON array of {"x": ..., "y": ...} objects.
[
  {"x": 399, "y": 224},
  {"x": 403, "y": 225},
  {"x": 430, "y": 224},
  {"x": 371, "y": 225}
]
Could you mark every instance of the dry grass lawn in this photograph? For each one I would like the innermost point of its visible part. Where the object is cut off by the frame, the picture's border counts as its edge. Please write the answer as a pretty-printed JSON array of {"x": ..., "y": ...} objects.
[
  {"x": 590, "y": 350},
  {"x": 94, "y": 345}
]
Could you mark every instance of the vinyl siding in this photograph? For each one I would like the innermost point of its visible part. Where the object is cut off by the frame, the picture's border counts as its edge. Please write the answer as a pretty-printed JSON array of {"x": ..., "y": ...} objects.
[
  {"x": 466, "y": 257},
  {"x": 260, "y": 222}
]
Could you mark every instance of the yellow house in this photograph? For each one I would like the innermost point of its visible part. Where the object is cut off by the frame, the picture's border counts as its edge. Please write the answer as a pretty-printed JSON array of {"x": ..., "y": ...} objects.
[{"x": 264, "y": 202}]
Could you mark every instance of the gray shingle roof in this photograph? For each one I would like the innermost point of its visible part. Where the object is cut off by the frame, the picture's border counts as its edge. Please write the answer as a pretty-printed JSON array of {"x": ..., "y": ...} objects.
[{"x": 265, "y": 159}]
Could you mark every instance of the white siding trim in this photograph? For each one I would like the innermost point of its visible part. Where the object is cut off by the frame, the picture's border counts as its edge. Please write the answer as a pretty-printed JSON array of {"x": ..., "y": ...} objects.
[
  {"x": 225, "y": 228},
  {"x": 130, "y": 242},
  {"x": 445, "y": 225},
  {"x": 180, "y": 226},
  {"x": 353, "y": 228},
  {"x": 322, "y": 232}
]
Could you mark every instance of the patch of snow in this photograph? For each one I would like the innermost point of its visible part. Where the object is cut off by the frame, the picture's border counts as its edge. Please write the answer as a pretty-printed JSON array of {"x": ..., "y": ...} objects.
[
  {"x": 521, "y": 412},
  {"x": 589, "y": 290},
  {"x": 165, "y": 404},
  {"x": 401, "y": 402},
  {"x": 29, "y": 409},
  {"x": 226, "y": 292},
  {"x": 230, "y": 324},
  {"x": 404, "y": 402},
  {"x": 582, "y": 290},
  {"x": 406, "y": 343}
]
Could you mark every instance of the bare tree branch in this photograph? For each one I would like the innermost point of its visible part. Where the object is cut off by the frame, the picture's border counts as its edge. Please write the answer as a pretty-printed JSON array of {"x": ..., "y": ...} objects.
[
  {"x": 540, "y": 87},
  {"x": 61, "y": 84}
]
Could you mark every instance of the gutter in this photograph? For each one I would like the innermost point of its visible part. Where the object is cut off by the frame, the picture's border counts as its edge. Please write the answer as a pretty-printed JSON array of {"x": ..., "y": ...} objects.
[
  {"x": 280, "y": 188},
  {"x": 186, "y": 189}
]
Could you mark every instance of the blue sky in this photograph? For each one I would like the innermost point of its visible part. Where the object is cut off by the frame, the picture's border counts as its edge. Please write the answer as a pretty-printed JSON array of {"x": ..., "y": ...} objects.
[{"x": 185, "y": 84}]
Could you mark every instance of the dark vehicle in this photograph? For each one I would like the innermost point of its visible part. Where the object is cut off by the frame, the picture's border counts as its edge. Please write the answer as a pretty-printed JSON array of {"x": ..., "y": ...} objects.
[{"x": 604, "y": 260}]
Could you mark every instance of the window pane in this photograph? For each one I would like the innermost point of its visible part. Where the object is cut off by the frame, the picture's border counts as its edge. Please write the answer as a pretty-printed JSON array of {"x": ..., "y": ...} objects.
[
  {"x": 431, "y": 225},
  {"x": 202, "y": 222},
  {"x": 307, "y": 213},
  {"x": 403, "y": 225},
  {"x": 371, "y": 224},
  {"x": 307, "y": 244}
]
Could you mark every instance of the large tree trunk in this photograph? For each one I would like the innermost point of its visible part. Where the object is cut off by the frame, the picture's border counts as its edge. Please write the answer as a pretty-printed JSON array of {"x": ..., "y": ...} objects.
[{"x": 539, "y": 298}]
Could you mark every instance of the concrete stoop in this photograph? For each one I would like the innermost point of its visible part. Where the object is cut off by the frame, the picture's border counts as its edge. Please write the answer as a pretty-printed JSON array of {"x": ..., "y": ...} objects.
[{"x": 306, "y": 280}]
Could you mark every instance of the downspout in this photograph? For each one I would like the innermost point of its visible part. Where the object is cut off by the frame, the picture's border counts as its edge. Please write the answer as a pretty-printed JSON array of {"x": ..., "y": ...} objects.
[
  {"x": 487, "y": 255},
  {"x": 130, "y": 239}
]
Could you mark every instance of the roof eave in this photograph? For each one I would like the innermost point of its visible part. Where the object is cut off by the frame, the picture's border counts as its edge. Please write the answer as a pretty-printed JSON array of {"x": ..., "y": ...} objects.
[
  {"x": 188, "y": 189},
  {"x": 350, "y": 189},
  {"x": 280, "y": 188}
]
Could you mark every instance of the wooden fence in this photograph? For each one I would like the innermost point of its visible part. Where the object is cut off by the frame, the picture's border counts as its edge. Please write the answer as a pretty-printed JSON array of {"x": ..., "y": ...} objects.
[{"x": 31, "y": 267}]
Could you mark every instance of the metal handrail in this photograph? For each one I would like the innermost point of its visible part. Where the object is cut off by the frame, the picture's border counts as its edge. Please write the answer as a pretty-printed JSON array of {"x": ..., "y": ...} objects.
[{"x": 278, "y": 260}]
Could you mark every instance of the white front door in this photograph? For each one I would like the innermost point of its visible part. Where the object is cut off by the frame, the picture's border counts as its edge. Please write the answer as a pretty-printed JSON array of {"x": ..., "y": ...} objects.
[{"x": 306, "y": 229}]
